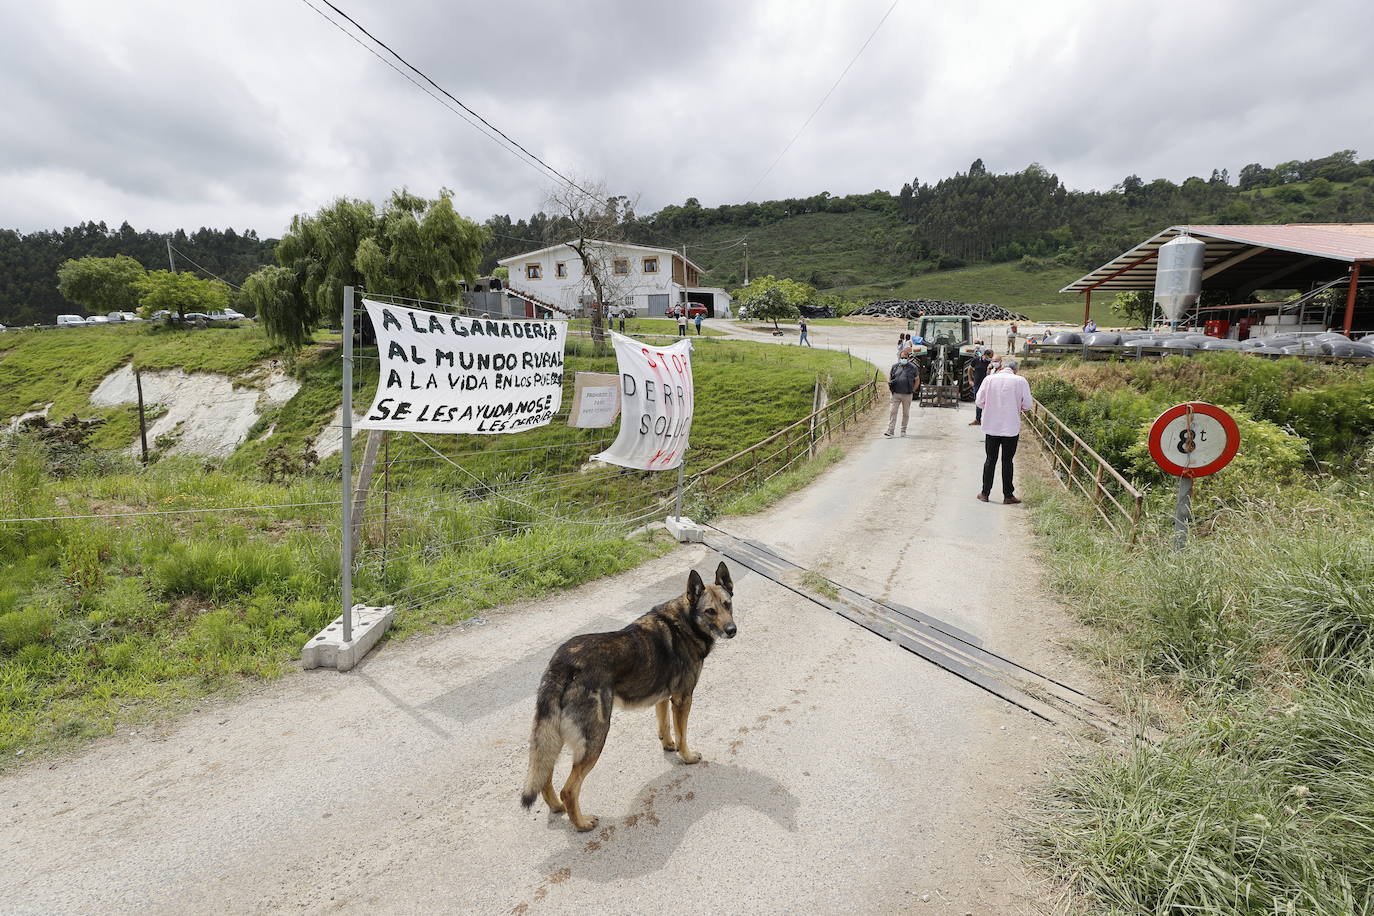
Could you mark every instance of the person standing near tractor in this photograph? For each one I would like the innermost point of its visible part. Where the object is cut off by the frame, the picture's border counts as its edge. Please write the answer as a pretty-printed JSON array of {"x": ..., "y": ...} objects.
[
  {"x": 977, "y": 373},
  {"x": 1003, "y": 397},
  {"x": 902, "y": 380}
]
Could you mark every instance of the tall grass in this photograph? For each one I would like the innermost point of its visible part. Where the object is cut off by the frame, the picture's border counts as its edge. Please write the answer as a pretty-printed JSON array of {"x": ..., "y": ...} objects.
[{"x": 1255, "y": 644}]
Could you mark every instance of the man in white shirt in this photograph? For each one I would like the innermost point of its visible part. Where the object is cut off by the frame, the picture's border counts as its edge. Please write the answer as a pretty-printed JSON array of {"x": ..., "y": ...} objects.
[{"x": 1002, "y": 396}]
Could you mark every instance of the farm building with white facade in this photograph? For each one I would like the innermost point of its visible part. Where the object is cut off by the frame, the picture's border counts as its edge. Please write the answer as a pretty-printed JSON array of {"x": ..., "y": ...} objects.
[{"x": 649, "y": 279}]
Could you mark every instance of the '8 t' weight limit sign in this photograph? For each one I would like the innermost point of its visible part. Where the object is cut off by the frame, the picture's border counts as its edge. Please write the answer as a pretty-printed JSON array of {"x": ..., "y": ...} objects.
[{"x": 1192, "y": 440}]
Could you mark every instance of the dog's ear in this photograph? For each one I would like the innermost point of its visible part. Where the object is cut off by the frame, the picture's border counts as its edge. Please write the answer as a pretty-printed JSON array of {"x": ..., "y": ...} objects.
[
  {"x": 695, "y": 587},
  {"x": 723, "y": 578}
]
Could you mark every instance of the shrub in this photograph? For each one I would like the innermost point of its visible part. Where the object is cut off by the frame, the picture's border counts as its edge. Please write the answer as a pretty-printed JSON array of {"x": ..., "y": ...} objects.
[
  {"x": 1268, "y": 456},
  {"x": 25, "y": 627}
]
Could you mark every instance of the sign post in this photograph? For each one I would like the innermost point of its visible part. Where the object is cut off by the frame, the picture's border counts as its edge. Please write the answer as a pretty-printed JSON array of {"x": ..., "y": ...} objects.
[{"x": 1189, "y": 441}]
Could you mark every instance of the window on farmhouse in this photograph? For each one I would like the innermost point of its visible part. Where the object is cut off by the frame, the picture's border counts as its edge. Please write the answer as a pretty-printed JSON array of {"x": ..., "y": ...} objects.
[
  {"x": 560, "y": 269},
  {"x": 621, "y": 266},
  {"x": 533, "y": 271},
  {"x": 651, "y": 265}
]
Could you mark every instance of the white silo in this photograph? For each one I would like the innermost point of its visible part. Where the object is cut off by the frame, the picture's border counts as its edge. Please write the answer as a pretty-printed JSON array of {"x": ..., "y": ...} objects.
[{"x": 1178, "y": 277}]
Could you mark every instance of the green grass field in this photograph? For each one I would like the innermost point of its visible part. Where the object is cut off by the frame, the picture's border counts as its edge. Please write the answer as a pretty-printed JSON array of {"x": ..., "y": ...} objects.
[
  {"x": 823, "y": 249},
  {"x": 109, "y": 620},
  {"x": 1035, "y": 294}
]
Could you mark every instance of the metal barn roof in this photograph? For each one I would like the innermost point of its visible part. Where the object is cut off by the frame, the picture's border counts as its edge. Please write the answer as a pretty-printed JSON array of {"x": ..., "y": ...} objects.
[{"x": 1245, "y": 258}]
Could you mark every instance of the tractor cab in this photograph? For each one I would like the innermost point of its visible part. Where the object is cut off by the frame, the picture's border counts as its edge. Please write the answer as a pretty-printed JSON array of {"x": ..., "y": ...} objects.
[{"x": 947, "y": 331}]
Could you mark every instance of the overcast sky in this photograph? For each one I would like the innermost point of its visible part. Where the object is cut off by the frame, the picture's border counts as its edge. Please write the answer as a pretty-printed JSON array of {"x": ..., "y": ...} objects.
[{"x": 184, "y": 114}]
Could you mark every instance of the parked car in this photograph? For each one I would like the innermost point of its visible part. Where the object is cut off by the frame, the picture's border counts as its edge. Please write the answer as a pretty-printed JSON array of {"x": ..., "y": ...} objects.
[
  {"x": 196, "y": 316},
  {"x": 696, "y": 309},
  {"x": 98, "y": 319},
  {"x": 624, "y": 311},
  {"x": 70, "y": 320},
  {"x": 227, "y": 315},
  {"x": 123, "y": 316}
]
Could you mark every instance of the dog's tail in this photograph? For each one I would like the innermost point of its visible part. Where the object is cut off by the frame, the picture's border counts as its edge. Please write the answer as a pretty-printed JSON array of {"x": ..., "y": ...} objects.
[{"x": 546, "y": 743}]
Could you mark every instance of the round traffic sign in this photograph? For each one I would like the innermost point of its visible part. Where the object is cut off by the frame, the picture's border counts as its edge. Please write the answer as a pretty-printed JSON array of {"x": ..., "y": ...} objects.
[{"x": 1194, "y": 439}]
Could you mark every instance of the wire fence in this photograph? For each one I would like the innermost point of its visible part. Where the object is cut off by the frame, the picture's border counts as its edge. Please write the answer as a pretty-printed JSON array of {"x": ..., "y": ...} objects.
[
  {"x": 442, "y": 524},
  {"x": 1078, "y": 466}
]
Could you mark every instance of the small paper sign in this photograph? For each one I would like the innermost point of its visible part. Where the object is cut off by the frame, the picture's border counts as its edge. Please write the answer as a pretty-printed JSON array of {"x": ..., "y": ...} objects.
[{"x": 596, "y": 400}]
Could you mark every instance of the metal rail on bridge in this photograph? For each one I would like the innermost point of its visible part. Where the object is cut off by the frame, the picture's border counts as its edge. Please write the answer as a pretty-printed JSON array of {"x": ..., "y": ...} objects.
[
  {"x": 1077, "y": 464},
  {"x": 780, "y": 451}
]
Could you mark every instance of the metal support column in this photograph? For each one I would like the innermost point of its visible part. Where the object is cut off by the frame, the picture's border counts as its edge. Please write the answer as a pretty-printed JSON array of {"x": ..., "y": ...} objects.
[
  {"x": 346, "y": 560},
  {"x": 1087, "y": 305},
  {"x": 681, "y": 476},
  {"x": 1350, "y": 297}
]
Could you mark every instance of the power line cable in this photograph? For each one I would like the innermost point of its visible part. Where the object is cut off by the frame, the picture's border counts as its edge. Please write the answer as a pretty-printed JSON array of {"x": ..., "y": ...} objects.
[
  {"x": 492, "y": 127},
  {"x": 203, "y": 269},
  {"x": 356, "y": 40},
  {"x": 824, "y": 99}
]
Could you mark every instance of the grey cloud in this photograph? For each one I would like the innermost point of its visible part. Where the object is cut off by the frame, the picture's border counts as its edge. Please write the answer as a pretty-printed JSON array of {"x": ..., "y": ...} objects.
[{"x": 269, "y": 111}]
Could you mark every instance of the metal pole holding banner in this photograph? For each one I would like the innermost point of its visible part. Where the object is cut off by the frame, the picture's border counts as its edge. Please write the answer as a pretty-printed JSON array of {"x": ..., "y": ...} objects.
[
  {"x": 681, "y": 476},
  {"x": 346, "y": 423}
]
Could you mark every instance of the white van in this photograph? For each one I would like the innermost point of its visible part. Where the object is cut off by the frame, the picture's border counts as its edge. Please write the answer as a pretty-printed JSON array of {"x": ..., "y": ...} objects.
[{"x": 68, "y": 320}]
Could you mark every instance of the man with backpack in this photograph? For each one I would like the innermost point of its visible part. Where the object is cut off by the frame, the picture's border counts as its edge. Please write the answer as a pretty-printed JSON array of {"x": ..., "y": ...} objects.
[{"x": 903, "y": 379}]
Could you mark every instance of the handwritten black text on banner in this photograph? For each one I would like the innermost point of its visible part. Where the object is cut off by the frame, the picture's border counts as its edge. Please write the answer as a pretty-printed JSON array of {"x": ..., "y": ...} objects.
[
  {"x": 656, "y": 404},
  {"x": 456, "y": 374}
]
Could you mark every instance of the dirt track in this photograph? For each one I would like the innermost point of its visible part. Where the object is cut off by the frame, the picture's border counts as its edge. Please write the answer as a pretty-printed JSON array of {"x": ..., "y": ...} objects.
[{"x": 842, "y": 774}]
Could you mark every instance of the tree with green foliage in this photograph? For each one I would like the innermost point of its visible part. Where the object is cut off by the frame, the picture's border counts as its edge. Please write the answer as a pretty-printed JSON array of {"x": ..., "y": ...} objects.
[
  {"x": 421, "y": 248},
  {"x": 771, "y": 299},
  {"x": 321, "y": 251},
  {"x": 1135, "y": 306},
  {"x": 796, "y": 293},
  {"x": 101, "y": 284},
  {"x": 180, "y": 292},
  {"x": 414, "y": 247},
  {"x": 286, "y": 315}
]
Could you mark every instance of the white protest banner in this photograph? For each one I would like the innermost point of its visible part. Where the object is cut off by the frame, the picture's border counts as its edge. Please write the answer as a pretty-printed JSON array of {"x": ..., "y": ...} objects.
[
  {"x": 457, "y": 374},
  {"x": 656, "y": 402},
  {"x": 596, "y": 400}
]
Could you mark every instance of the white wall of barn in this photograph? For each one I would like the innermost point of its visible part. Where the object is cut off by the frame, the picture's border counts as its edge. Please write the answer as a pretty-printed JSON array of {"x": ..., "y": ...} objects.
[{"x": 566, "y": 291}]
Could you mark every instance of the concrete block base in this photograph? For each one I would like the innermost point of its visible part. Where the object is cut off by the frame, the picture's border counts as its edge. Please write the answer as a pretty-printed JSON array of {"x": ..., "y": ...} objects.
[
  {"x": 328, "y": 649},
  {"x": 684, "y": 529}
]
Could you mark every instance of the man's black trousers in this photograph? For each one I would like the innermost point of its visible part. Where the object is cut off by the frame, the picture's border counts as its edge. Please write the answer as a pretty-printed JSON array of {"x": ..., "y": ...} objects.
[{"x": 1007, "y": 446}]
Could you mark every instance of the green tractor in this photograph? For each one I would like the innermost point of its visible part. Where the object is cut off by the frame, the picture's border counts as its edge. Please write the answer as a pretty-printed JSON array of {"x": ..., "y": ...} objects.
[{"x": 943, "y": 354}]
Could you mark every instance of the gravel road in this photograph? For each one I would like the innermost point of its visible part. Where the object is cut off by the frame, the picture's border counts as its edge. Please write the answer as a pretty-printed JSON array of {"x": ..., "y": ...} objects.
[{"x": 841, "y": 774}]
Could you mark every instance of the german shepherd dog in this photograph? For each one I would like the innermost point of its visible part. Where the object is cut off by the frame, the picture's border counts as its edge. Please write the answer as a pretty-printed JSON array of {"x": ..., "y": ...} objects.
[{"x": 655, "y": 660}]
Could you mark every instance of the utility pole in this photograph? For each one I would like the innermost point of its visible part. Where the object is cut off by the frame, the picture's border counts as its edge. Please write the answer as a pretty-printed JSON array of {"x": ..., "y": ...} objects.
[
  {"x": 684, "y": 275},
  {"x": 171, "y": 260},
  {"x": 746, "y": 263}
]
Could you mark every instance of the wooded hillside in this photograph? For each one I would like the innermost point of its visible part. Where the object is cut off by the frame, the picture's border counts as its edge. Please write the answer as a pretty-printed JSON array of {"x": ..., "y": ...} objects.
[{"x": 877, "y": 239}]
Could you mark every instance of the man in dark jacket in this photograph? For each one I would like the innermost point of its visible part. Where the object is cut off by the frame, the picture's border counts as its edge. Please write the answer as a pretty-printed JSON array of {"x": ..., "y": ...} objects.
[
  {"x": 978, "y": 371},
  {"x": 902, "y": 380}
]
